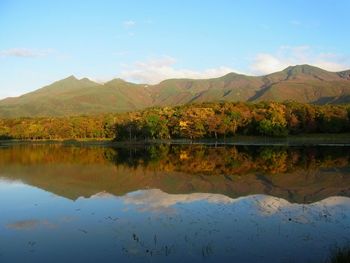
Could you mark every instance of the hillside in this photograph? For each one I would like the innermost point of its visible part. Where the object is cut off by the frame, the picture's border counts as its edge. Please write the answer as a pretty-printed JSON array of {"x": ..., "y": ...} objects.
[{"x": 71, "y": 96}]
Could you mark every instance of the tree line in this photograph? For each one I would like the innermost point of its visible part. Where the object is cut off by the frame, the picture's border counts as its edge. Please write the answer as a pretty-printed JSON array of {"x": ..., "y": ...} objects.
[
  {"x": 56, "y": 128},
  {"x": 189, "y": 159},
  {"x": 228, "y": 160},
  {"x": 220, "y": 120},
  {"x": 191, "y": 121}
]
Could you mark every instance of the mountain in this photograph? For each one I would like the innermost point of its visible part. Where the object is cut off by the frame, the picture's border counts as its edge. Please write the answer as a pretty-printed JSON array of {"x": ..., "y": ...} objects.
[{"x": 72, "y": 96}]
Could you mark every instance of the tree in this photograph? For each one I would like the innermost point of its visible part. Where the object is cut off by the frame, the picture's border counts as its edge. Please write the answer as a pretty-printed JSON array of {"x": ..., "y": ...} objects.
[
  {"x": 333, "y": 119},
  {"x": 274, "y": 123},
  {"x": 156, "y": 127}
]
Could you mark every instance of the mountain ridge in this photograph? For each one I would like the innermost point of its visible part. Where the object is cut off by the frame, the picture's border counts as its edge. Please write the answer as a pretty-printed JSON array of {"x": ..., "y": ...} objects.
[{"x": 73, "y": 96}]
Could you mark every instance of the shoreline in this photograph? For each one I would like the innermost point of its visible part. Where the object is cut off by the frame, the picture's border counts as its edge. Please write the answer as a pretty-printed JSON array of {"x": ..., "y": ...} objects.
[{"x": 240, "y": 140}]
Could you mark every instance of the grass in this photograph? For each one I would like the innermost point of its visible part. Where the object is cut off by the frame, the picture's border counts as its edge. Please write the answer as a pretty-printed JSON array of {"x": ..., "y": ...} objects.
[
  {"x": 340, "y": 255},
  {"x": 341, "y": 139}
]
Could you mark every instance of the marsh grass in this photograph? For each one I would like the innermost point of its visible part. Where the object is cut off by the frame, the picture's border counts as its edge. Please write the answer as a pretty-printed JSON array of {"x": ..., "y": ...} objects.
[{"x": 340, "y": 255}]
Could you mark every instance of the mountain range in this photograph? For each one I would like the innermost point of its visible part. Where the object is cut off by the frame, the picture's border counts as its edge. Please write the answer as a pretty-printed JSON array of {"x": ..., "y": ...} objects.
[{"x": 72, "y": 96}]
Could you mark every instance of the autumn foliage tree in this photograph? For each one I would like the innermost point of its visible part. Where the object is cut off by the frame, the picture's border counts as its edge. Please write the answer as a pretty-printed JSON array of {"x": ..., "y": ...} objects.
[{"x": 192, "y": 121}]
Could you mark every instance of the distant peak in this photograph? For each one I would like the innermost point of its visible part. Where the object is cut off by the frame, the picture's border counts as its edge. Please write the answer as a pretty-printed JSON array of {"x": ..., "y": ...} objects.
[
  {"x": 71, "y": 77},
  {"x": 68, "y": 79},
  {"x": 116, "y": 81},
  {"x": 303, "y": 68},
  {"x": 232, "y": 75}
]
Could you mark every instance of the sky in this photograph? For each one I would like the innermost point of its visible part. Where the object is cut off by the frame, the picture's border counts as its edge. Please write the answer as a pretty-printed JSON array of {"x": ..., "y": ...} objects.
[{"x": 147, "y": 41}]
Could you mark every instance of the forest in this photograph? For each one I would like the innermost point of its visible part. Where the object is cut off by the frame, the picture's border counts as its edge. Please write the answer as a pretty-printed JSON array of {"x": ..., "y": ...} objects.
[{"x": 190, "y": 121}]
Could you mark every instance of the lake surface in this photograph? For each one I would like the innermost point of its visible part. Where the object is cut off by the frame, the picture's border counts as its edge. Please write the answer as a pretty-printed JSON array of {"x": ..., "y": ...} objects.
[{"x": 173, "y": 203}]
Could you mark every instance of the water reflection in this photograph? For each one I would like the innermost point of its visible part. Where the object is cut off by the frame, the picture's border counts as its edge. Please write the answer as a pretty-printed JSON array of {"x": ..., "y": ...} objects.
[
  {"x": 173, "y": 203},
  {"x": 151, "y": 225},
  {"x": 300, "y": 175}
]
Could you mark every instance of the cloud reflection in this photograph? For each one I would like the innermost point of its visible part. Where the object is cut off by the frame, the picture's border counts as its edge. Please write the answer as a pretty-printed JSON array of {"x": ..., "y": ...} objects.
[{"x": 157, "y": 200}]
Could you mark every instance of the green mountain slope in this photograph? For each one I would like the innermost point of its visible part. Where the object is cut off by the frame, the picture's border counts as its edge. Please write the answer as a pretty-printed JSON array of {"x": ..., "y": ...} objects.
[
  {"x": 231, "y": 87},
  {"x": 307, "y": 84},
  {"x": 303, "y": 83},
  {"x": 71, "y": 96}
]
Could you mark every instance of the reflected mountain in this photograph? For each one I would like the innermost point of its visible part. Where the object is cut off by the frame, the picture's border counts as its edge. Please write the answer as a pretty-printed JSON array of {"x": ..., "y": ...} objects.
[
  {"x": 299, "y": 175},
  {"x": 154, "y": 226},
  {"x": 157, "y": 200}
]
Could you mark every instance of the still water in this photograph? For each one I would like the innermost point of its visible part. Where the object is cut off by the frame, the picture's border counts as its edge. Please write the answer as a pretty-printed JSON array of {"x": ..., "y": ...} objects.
[{"x": 172, "y": 203}]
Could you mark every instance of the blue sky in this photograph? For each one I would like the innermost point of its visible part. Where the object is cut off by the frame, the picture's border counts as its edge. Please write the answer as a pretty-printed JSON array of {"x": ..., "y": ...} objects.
[{"x": 150, "y": 40}]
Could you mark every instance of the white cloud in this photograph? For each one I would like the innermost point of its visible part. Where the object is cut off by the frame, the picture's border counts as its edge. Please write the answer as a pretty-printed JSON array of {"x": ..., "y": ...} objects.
[
  {"x": 25, "y": 52},
  {"x": 267, "y": 63},
  {"x": 129, "y": 23},
  {"x": 285, "y": 56},
  {"x": 156, "y": 70}
]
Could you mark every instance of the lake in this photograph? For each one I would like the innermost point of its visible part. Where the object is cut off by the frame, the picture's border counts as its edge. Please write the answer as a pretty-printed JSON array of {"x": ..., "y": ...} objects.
[{"x": 173, "y": 203}]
